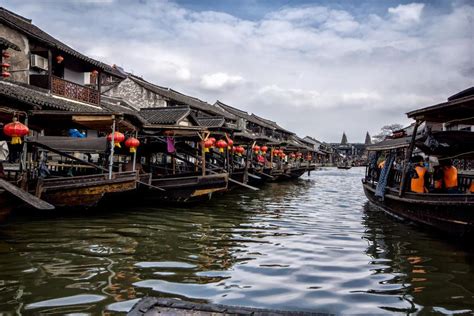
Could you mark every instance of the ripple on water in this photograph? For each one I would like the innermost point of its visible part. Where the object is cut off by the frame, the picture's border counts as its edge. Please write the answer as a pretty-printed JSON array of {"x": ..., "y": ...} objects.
[{"x": 291, "y": 246}]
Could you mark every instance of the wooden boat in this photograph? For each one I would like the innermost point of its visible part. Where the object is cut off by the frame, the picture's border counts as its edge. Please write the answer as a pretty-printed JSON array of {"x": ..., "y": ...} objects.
[
  {"x": 84, "y": 191},
  {"x": 169, "y": 306},
  {"x": 452, "y": 213},
  {"x": 182, "y": 187},
  {"x": 12, "y": 197},
  {"x": 344, "y": 167}
]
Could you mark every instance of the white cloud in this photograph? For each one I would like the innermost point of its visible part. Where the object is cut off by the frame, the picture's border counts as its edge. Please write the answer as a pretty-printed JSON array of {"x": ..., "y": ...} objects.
[
  {"x": 220, "y": 80},
  {"x": 406, "y": 14},
  {"x": 316, "y": 69}
]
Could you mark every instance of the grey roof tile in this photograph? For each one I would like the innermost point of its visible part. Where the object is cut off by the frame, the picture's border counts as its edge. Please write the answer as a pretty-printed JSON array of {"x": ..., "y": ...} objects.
[
  {"x": 165, "y": 115},
  {"x": 210, "y": 121}
]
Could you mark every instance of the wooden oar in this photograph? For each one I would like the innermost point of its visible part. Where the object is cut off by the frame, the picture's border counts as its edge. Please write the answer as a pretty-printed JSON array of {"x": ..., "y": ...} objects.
[
  {"x": 237, "y": 182},
  {"x": 251, "y": 175},
  {"x": 151, "y": 186},
  {"x": 26, "y": 197}
]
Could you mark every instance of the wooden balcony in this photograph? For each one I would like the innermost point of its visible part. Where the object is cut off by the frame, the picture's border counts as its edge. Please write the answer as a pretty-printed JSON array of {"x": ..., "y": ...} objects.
[{"x": 74, "y": 91}]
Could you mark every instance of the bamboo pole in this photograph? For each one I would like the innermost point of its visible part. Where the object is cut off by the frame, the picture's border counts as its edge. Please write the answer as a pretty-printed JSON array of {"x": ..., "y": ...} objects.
[
  {"x": 135, "y": 154},
  {"x": 112, "y": 145},
  {"x": 409, "y": 152}
]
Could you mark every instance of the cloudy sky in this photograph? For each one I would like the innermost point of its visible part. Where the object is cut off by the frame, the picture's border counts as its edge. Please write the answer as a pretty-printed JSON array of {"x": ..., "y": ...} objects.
[{"x": 316, "y": 67}]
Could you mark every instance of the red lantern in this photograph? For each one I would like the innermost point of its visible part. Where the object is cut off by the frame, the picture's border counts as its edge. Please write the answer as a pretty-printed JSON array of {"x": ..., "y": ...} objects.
[
  {"x": 276, "y": 152},
  {"x": 256, "y": 149},
  {"x": 240, "y": 150},
  {"x": 118, "y": 138},
  {"x": 292, "y": 156},
  {"x": 94, "y": 72},
  {"x": 5, "y": 65},
  {"x": 208, "y": 144},
  {"x": 16, "y": 131},
  {"x": 221, "y": 144},
  {"x": 59, "y": 59},
  {"x": 6, "y": 54},
  {"x": 132, "y": 143},
  {"x": 6, "y": 74},
  {"x": 230, "y": 143},
  {"x": 264, "y": 149},
  {"x": 213, "y": 140},
  {"x": 234, "y": 149},
  {"x": 309, "y": 157}
]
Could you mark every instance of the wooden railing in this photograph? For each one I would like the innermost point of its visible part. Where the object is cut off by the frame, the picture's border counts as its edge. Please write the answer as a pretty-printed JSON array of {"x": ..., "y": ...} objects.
[{"x": 74, "y": 91}]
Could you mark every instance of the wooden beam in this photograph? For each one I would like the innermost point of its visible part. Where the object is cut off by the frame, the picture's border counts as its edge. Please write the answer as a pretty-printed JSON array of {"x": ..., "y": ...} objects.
[
  {"x": 406, "y": 165},
  {"x": 26, "y": 197},
  {"x": 67, "y": 155}
]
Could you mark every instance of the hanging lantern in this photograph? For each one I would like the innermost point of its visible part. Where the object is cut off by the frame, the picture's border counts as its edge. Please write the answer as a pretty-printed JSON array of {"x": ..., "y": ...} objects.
[
  {"x": 5, "y": 65},
  {"x": 256, "y": 149},
  {"x": 6, "y": 55},
  {"x": 309, "y": 157},
  {"x": 94, "y": 72},
  {"x": 16, "y": 131},
  {"x": 132, "y": 143},
  {"x": 292, "y": 156},
  {"x": 230, "y": 143},
  {"x": 118, "y": 138},
  {"x": 264, "y": 149},
  {"x": 59, "y": 59},
  {"x": 240, "y": 150},
  {"x": 213, "y": 140},
  {"x": 221, "y": 144},
  {"x": 208, "y": 144},
  {"x": 6, "y": 74},
  {"x": 276, "y": 152}
]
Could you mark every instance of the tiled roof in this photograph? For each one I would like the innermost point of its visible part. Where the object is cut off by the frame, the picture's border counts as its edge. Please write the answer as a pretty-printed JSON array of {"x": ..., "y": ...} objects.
[
  {"x": 165, "y": 115},
  {"x": 37, "y": 97},
  {"x": 242, "y": 114},
  {"x": 4, "y": 43},
  {"x": 210, "y": 121},
  {"x": 271, "y": 123},
  {"x": 118, "y": 105},
  {"x": 25, "y": 26},
  {"x": 183, "y": 99}
]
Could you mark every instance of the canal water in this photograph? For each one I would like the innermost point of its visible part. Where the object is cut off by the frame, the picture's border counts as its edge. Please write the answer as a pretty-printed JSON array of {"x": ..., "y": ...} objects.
[{"x": 311, "y": 245}]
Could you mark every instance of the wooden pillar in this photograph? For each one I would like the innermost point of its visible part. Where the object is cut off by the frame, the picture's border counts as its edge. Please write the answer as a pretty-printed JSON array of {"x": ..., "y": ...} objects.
[
  {"x": 173, "y": 162},
  {"x": 135, "y": 155},
  {"x": 248, "y": 157},
  {"x": 406, "y": 164},
  {"x": 50, "y": 69},
  {"x": 23, "y": 167},
  {"x": 112, "y": 145},
  {"x": 195, "y": 160},
  {"x": 203, "y": 157}
]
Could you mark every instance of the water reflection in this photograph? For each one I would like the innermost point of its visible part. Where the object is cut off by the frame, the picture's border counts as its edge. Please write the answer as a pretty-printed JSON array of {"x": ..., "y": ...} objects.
[
  {"x": 435, "y": 275},
  {"x": 309, "y": 245}
]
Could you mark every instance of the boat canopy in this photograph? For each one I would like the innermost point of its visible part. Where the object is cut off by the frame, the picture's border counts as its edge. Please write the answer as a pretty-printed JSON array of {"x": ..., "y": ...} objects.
[
  {"x": 448, "y": 144},
  {"x": 71, "y": 144},
  {"x": 459, "y": 110},
  {"x": 390, "y": 143}
]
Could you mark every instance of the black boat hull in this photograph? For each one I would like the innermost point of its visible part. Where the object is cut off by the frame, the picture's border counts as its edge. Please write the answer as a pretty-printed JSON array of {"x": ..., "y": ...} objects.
[{"x": 450, "y": 213}]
